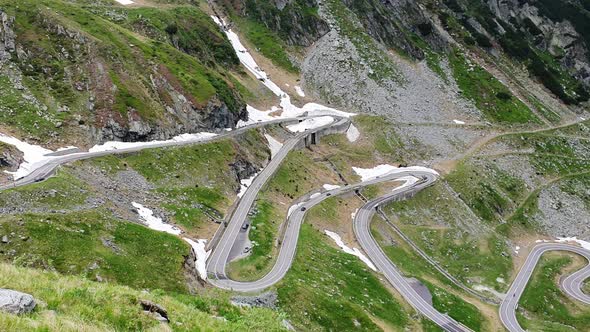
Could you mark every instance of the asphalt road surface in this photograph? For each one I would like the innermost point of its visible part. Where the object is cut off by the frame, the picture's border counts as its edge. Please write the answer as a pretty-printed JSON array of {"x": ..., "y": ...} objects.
[
  {"x": 362, "y": 231},
  {"x": 570, "y": 285},
  {"x": 47, "y": 169},
  {"x": 216, "y": 264}
]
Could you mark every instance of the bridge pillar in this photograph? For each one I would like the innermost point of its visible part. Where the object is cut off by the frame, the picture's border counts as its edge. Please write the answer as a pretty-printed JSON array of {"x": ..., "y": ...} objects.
[{"x": 314, "y": 138}]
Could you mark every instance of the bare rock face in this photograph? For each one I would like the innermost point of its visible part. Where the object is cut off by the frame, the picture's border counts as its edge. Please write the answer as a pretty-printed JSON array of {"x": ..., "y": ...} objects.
[
  {"x": 156, "y": 310},
  {"x": 291, "y": 19},
  {"x": 10, "y": 158},
  {"x": 17, "y": 303},
  {"x": 193, "y": 279},
  {"x": 557, "y": 36},
  {"x": 243, "y": 169},
  {"x": 7, "y": 36},
  {"x": 102, "y": 112},
  {"x": 264, "y": 300}
]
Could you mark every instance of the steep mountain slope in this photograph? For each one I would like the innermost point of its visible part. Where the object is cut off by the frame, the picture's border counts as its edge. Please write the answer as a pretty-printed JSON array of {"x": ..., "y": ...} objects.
[
  {"x": 491, "y": 94},
  {"x": 84, "y": 72},
  {"x": 468, "y": 86},
  {"x": 367, "y": 62}
]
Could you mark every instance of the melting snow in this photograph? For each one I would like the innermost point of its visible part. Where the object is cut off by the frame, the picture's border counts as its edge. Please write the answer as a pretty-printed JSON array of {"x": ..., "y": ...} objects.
[
  {"x": 314, "y": 195},
  {"x": 353, "y": 214},
  {"x": 274, "y": 145},
  {"x": 125, "y": 2},
  {"x": 244, "y": 184},
  {"x": 459, "y": 122},
  {"x": 310, "y": 124},
  {"x": 331, "y": 186},
  {"x": 202, "y": 255},
  {"x": 353, "y": 251},
  {"x": 352, "y": 133},
  {"x": 292, "y": 208},
  {"x": 36, "y": 156},
  {"x": 112, "y": 145},
  {"x": 154, "y": 222},
  {"x": 288, "y": 110},
  {"x": 584, "y": 244},
  {"x": 33, "y": 155},
  {"x": 299, "y": 91},
  {"x": 385, "y": 169}
]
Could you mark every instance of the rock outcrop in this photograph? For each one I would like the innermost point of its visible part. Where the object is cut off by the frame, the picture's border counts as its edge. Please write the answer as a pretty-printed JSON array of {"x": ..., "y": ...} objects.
[
  {"x": 87, "y": 91},
  {"x": 10, "y": 158},
  {"x": 17, "y": 303},
  {"x": 156, "y": 310},
  {"x": 193, "y": 279},
  {"x": 554, "y": 32},
  {"x": 7, "y": 36},
  {"x": 295, "y": 21}
]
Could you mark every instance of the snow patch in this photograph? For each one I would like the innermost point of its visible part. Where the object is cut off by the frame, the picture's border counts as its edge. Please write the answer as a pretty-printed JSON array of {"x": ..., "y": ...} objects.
[
  {"x": 33, "y": 155},
  {"x": 154, "y": 222},
  {"x": 315, "y": 195},
  {"x": 125, "y": 2},
  {"x": 310, "y": 124},
  {"x": 352, "y": 133},
  {"x": 201, "y": 254},
  {"x": 330, "y": 186},
  {"x": 244, "y": 184},
  {"x": 353, "y": 251},
  {"x": 288, "y": 110},
  {"x": 353, "y": 214},
  {"x": 408, "y": 181},
  {"x": 292, "y": 208},
  {"x": 112, "y": 145},
  {"x": 274, "y": 145},
  {"x": 582, "y": 243},
  {"x": 459, "y": 122},
  {"x": 385, "y": 169},
  {"x": 299, "y": 91},
  {"x": 65, "y": 148}
]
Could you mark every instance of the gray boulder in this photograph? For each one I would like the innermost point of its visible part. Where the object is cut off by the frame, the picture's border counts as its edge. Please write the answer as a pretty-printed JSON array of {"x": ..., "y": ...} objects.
[{"x": 14, "y": 302}]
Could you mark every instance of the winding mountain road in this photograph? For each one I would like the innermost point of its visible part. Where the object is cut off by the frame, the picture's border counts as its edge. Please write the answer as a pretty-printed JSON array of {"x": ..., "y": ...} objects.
[
  {"x": 218, "y": 259},
  {"x": 46, "y": 170},
  {"x": 571, "y": 285},
  {"x": 216, "y": 264},
  {"x": 362, "y": 231}
]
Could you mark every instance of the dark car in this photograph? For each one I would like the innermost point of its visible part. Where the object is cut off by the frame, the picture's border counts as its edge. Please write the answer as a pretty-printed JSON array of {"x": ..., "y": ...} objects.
[
  {"x": 245, "y": 225},
  {"x": 303, "y": 208}
]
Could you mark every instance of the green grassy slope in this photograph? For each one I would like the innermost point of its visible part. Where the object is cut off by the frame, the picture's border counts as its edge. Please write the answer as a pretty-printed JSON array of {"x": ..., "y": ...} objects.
[
  {"x": 71, "y": 303},
  {"x": 543, "y": 305},
  {"x": 101, "y": 61}
]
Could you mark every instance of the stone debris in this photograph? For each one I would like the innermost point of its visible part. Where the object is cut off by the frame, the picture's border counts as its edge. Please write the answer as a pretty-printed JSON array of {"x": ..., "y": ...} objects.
[{"x": 14, "y": 302}]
